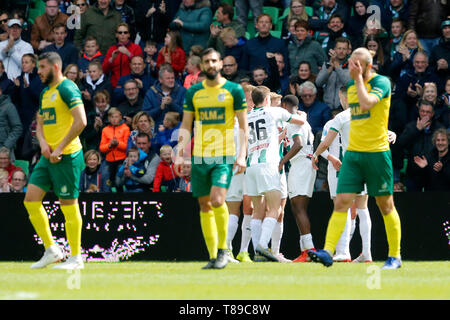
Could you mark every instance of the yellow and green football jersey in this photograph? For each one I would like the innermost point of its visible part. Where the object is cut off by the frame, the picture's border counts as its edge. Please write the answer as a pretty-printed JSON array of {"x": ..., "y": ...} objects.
[
  {"x": 214, "y": 111},
  {"x": 55, "y": 105},
  {"x": 368, "y": 129}
]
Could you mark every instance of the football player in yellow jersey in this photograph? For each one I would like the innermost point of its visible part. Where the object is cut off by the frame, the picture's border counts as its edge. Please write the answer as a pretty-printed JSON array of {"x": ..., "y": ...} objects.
[
  {"x": 367, "y": 160},
  {"x": 213, "y": 104},
  {"x": 60, "y": 120}
]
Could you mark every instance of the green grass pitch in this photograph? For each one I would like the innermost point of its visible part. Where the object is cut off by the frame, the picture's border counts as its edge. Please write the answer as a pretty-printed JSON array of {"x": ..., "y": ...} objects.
[{"x": 254, "y": 281}]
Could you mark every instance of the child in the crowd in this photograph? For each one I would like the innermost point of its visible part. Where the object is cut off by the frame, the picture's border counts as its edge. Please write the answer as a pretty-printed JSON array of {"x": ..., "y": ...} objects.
[
  {"x": 97, "y": 119},
  {"x": 233, "y": 46},
  {"x": 397, "y": 30},
  {"x": 193, "y": 70},
  {"x": 114, "y": 142},
  {"x": 91, "y": 52},
  {"x": 165, "y": 174},
  {"x": 95, "y": 177},
  {"x": 172, "y": 52},
  {"x": 133, "y": 166},
  {"x": 185, "y": 179},
  {"x": 95, "y": 81},
  {"x": 4, "y": 185},
  {"x": 196, "y": 50},
  {"x": 151, "y": 50},
  {"x": 167, "y": 131}
]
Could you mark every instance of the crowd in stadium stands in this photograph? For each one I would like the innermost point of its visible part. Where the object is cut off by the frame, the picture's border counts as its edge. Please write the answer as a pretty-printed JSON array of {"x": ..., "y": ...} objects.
[{"x": 134, "y": 60}]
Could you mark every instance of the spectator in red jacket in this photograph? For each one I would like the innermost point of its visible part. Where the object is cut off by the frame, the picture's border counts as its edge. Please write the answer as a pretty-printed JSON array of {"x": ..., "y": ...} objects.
[
  {"x": 172, "y": 52},
  {"x": 118, "y": 58},
  {"x": 165, "y": 173}
]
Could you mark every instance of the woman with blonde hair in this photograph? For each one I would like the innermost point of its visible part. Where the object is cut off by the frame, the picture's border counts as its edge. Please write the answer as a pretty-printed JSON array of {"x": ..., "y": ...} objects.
[
  {"x": 403, "y": 58},
  {"x": 72, "y": 72},
  {"x": 141, "y": 122}
]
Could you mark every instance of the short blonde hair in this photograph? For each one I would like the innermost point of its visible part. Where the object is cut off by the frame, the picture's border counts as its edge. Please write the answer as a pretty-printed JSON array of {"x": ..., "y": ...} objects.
[
  {"x": 113, "y": 110},
  {"x": 166, "y": 147},
  {"x": 90, "y": 153}
]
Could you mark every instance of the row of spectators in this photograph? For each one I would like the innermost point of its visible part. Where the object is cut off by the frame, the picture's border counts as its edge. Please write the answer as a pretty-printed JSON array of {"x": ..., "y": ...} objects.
[{"x": 134, "y": 60}]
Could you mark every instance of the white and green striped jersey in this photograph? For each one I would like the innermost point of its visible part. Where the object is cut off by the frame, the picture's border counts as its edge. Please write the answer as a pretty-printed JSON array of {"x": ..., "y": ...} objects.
[
  {"x": 341, "y": 124},
  {"x": 335, "y": 146},
  {"x": 263, "y": 145},
  {"x": 306, "y": 136}
]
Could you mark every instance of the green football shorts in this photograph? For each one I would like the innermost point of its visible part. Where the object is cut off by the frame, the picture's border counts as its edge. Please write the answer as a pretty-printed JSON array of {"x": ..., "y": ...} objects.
[
  {"x": 62, "y": 177},
  {"x": 204, "y": 176},
  {"x": 371, "y": 168}
]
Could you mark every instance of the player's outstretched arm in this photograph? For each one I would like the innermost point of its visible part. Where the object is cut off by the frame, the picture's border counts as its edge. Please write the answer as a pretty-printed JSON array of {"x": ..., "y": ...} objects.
[
  {"x": 324, "y": 145},
  {"x": 296, "y": 147},
  {"x": 298, "y": 118}
]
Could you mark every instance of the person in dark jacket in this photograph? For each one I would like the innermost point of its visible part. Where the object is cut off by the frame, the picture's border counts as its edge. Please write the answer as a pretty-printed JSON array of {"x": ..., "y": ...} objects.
[
  {"x": 425, "y": 18},
  {"x": 164, "y": 96},
  {"x": 255, "y": 49},
  {"x": 139, "y": 74},
  {"x": 99, "y": 20},
  {"x": 95, "y": 81},
  {"x": 317, "y": 112},
  {"x": 357, "y": 22},
  {"x": 95, "y": 177},
  {"x": 440, "y": 54},
  {"x": 6, "y": 85},
  {"x": 415, "y": 140},
  {"x": 410, "y": 86},
  {"x": 67, "y": 51},
  {"x": 436, "y": 164},
  {"x": 10, "y": 125},
  {"x": 26, "y": 97},
  {"x": 152, "y": 20},
  {"x": 193, "y": 20}
]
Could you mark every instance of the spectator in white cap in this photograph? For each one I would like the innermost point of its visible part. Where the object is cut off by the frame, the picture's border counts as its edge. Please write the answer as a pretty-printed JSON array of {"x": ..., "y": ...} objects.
[{"x": 12, "y": 49}]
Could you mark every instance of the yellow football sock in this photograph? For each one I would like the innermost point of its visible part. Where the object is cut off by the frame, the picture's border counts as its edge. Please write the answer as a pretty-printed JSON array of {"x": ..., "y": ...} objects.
[
  {"x": 336, "y": 226},
  {"x": 73, "y": 225},
  {"x": 221, "y": 215},
  {"x": 393, "y": 232},
  {"x": 209, "y": 229},
  {"x": 39, "y": 219}
]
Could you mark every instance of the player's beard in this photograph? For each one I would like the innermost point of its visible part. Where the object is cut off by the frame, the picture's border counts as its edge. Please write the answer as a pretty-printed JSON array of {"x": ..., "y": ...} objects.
[
  {"x": 211, "y": 74},
  {"x": 49, "y": 78}
]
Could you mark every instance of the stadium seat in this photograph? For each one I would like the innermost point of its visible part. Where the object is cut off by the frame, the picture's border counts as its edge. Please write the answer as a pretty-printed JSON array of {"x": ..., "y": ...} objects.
[
  {"x": 273, "y": 12},
  {"x": 36, "y": 8},
  {"x": 309, "y": 11},
  {"x": 279, "y": 24},
  {"x": 24, "y": 164}
]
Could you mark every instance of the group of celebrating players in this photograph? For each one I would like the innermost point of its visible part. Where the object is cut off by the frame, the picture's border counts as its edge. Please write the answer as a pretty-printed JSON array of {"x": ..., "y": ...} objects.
[{"x": 246, "y": 166}]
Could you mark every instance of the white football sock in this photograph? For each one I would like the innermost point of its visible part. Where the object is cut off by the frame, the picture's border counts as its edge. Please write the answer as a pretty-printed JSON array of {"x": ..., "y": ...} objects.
[
  {"x": 365, "y": 229},
  {"x": 233, "y": 224},
  {"x": 343, "y": 245},
  {"x": 246, "y": 232},
  {"x": 306, "y": 239},
  {"x": 255, "y": 226},
  {"x": 266, "y": 231},
  {"x": 277, "y": 234}
]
